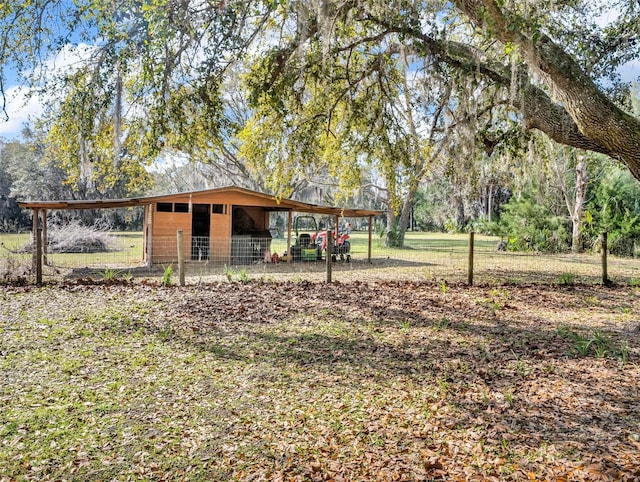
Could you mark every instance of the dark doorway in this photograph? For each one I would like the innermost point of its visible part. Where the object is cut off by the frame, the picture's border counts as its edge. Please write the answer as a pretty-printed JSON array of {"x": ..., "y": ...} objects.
[{"x": 200, "y": 229}]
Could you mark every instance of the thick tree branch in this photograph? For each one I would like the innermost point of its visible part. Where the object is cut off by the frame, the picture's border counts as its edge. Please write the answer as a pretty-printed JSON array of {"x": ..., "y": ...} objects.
[
  {"x": 597, "y": 118},
  {"x": 539, "y": 111}
]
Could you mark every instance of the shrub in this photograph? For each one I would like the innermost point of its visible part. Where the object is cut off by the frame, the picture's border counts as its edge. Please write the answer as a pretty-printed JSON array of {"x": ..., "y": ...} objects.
[
  {"x": 614, "y": 207},
  {"x": 531, "y": 226}
]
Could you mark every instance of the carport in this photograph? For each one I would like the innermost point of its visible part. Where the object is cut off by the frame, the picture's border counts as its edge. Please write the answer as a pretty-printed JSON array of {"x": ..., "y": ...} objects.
[{"x": 219, "y": 218}]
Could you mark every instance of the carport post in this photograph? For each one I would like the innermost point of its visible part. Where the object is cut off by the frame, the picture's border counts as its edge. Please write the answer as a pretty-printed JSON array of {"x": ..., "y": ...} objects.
[
  {"x": 329, "y": 251},
  {"x": 37, "y": 247}
]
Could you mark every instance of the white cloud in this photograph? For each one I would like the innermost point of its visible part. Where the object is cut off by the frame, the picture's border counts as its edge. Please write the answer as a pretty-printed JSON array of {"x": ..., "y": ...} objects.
[{"x": 21, "y": 108}]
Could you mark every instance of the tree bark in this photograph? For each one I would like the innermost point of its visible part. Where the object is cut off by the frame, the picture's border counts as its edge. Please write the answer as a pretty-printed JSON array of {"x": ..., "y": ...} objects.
[
  {"x": 595, "y": 116},
  {"x": 490, "y": 202},
  {"x": 578, "y": 206},
  {"x": 459, "y": 205}
]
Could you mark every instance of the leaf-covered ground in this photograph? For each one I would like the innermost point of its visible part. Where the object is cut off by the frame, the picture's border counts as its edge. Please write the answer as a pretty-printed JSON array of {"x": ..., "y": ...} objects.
[{"x": 306, "y": 381}]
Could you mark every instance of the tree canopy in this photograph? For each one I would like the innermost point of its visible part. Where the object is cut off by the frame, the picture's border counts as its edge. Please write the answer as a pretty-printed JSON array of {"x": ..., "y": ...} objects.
[{"x": 322, "y": 67}]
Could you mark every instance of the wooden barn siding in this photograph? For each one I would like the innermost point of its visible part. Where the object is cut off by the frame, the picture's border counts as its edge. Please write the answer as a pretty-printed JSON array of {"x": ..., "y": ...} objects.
[
  {"x": 221, "y": 235},
  {"x": 164, "y": 239},
  {"x": 259, "y": 215},
  {"x": 166, "y": 225}
]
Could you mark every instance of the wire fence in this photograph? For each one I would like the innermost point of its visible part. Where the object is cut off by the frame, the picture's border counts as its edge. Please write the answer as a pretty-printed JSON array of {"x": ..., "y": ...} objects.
[{"x": 437, "y": 257}]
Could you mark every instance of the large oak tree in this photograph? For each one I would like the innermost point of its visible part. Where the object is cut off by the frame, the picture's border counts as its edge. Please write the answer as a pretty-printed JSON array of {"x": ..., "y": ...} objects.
[{"x": 165, "y": 60}]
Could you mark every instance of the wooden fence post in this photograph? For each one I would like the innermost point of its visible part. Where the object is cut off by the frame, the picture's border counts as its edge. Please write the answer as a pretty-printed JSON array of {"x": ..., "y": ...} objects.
[
  {"x": 180, "y": 257},
  {"x": 370, "y": 236},
  {"x": 37, "y": 246},
  {"x": 329, "y": 253},
  {"x": 605, "y": 274},
  {"x": 470, "y": 262},
  {"x": 45, "y": 261}
]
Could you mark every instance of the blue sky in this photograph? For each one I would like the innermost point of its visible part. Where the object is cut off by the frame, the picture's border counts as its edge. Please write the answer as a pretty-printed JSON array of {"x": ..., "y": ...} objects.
[{"x": 22, "y": 108}]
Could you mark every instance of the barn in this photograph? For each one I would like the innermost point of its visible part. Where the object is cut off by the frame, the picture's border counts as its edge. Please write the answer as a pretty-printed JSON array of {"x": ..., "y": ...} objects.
[{"x": 229, "y": 224}]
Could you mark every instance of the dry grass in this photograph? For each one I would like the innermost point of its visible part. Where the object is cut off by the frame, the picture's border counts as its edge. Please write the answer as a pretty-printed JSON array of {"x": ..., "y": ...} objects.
[{"x": 305, "y": 381}]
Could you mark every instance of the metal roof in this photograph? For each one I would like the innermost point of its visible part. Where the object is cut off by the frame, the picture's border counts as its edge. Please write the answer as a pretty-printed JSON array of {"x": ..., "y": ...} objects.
[{"x": 276, "y": 204}]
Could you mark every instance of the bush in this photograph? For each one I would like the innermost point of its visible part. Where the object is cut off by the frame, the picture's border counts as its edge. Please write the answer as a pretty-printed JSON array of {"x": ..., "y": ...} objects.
[
  {"x": 615, "y": 208},
  {"x": 530, "y": 226}
]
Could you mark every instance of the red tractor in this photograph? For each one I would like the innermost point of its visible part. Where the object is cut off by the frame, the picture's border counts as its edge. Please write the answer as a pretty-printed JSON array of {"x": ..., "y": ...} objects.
[{"x": 341, "y": 245}]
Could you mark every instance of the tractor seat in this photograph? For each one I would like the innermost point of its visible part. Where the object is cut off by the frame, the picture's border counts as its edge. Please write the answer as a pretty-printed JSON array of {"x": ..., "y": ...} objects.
[{"x": 305, "y": 239}]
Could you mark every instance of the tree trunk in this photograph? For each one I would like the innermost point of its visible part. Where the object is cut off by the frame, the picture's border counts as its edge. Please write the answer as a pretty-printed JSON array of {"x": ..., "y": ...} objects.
[
  {"x": 459, "y": 205},
  {"x": 405, "y": 214},
  {"x": 490, "y": 203},
  {"x": 392, "y": 221},
  {"x": 578, "y": 206},
  {"x": 596, "y": 117}
]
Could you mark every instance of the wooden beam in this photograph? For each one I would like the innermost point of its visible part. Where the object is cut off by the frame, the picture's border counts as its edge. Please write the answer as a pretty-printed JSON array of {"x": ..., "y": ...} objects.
[
  {"x": 289, "y": 224},
  {"x": 37, "y": 247}
]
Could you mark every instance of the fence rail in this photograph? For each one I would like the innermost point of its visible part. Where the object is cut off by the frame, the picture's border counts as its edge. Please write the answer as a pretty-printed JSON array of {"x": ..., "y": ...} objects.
[{"x": 426, "y": 257}]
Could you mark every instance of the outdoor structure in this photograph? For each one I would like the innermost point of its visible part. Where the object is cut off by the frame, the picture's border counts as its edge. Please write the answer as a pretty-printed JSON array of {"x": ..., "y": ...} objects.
[{"x": 229, "y": 224}]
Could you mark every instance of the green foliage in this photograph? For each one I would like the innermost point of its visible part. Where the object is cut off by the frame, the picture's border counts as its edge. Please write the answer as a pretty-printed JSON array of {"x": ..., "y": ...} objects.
[
  {"x": 596, "y": 343},
  {"x": 110, "y": 274},
  {"x": 531, "y": 226},
  {"x": 228, "y": 272},
  {"x": 443, "y": 286},
  {"x": 394, "y": 237},
  {"x": 427, "y": 210},
  {"x": 13, "y": 158},
  {"x": 451, "y": 226},
  {"x": 244, "y": 276},
  {"x": 167, "y": 276},
  {"x": 614, "y": 207},
  {"x": 85, "y": 150},
  {"x": 567, "y": 279}
]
